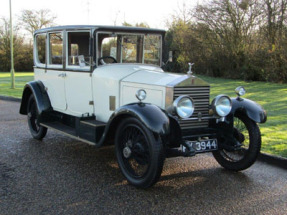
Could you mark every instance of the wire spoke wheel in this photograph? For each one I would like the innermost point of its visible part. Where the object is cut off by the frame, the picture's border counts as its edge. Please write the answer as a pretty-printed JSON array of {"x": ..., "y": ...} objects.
[
  {"x": 139, "y": 153},
  {"x": 134, "y": 147},
  {"x": 241, "y": 134},
  {"x": 247, "y": 135}
]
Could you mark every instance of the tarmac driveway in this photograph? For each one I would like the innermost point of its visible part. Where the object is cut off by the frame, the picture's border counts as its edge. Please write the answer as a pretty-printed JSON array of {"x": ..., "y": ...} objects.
[{"x": 62, "y": 176}]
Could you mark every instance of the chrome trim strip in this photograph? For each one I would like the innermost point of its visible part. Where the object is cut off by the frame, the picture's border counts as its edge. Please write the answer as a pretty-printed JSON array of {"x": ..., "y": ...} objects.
[
  {"x": 177, "y": 81},
  {"x": 169, "y": 92},
  {"x": 202, "y": 118},
  {"x": 93, "y": 125},
  {"x": 188, "y": 81}
]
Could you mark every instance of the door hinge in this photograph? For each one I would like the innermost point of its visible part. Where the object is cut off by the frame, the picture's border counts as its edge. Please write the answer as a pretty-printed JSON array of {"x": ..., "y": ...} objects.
[{"x": 91, "y": 102}]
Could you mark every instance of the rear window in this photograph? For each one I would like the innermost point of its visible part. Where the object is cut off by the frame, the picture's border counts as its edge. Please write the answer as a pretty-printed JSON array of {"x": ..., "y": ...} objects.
[{"x": 41, "y": 48}]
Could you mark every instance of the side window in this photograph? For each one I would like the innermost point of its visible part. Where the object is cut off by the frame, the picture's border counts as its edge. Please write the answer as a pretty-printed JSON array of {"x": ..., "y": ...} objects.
[
  {"x": 41, "y": 48},
  {"x": 56, "y": 48},
  {"x": 109, "y": 47},
  {"x": 78, "y": 48},
  {"x": 152, "y": 49}
]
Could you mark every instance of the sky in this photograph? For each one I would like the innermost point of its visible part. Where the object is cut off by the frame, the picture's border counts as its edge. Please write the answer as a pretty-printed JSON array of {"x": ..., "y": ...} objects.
[{"x": 104, "y": 12}]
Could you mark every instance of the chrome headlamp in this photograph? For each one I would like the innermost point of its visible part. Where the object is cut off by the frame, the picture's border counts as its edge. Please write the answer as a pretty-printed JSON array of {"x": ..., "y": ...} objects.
[
  {"x": 221, "y": 105},
  {"x": 183, "y": 106}
]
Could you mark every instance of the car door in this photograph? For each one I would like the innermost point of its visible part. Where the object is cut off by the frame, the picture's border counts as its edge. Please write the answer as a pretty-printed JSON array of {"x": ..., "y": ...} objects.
[
  {"x": 54, "y": 79},
  {"x": 78, "y": 79}
]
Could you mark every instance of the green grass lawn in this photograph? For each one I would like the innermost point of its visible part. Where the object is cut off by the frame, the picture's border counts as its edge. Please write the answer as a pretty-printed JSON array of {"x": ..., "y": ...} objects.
[
  {"x": 273, "y": 97},
  {"x": 21, "y": 79}
]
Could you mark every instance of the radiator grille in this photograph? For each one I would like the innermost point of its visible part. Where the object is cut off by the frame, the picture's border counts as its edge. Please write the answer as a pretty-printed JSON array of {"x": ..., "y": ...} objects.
[{"x": 200, "y": 96}]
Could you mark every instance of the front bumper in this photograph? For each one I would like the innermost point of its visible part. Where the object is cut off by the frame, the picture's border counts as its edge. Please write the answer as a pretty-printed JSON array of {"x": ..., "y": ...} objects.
[{"x": 220, "y": 130}]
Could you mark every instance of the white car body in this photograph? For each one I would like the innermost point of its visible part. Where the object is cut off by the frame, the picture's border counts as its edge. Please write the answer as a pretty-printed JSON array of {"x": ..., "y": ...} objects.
[
  {"x": 106, "y": 85},
  {"x": 120, "y": 80}
]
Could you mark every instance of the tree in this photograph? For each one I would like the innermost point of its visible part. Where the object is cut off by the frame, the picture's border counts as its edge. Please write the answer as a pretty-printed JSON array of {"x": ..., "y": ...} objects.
[
  {"x": 274, "y": 32},
  {"x": 232, "y": 38},
  {"x": 274, "y": 21},
  {"x": 33, "y": 20},
  {"x": 23, "y": 53},
  {"x": 141, "y": 24},
  {"x": 232, "y": 23}
]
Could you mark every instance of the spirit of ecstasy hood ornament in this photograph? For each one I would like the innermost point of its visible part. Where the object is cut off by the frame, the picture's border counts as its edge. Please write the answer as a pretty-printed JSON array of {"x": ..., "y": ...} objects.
[{"x": 189, "y": 72}]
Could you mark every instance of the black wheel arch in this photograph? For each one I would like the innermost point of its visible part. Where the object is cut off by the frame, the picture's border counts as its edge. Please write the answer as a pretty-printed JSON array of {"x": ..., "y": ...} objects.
[
  {"x": 155, "y": 119},
  {"x": 249, "y": 108},
  {"x": 36, "y": 88}
]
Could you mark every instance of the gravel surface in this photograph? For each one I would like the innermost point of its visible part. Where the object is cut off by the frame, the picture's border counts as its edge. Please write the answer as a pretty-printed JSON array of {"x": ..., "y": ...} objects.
[{"x": 62, "y": 176}]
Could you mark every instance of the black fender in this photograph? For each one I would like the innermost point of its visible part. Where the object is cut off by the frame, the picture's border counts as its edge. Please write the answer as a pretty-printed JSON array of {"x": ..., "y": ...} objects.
[
  {"x": 150, "y": 115},
  {"x": 36, "y": 88},
  {"x": 154, "y": 118},
  {"x": 253, "y": 110}
]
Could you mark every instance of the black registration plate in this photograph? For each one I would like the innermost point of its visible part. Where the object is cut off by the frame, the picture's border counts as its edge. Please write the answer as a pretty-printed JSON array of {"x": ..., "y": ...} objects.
[{"x": 202, "y": 145}]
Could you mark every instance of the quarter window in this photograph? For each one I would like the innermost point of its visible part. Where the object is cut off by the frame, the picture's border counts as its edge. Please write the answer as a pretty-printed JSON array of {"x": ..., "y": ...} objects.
[
  {"x": 56, "y": 48},
  {"x": 41, "y": 48}
]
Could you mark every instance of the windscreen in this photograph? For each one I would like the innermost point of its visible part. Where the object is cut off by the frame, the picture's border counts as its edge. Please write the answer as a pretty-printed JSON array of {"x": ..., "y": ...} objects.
[{"x": 131, "y": 48}]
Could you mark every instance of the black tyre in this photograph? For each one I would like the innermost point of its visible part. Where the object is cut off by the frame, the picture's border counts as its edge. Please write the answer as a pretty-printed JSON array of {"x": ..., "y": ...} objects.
[
  {"x": 139, "y": 153},
  {"x": 247, "y": 132},
  {"x": 37, "y": 131}
]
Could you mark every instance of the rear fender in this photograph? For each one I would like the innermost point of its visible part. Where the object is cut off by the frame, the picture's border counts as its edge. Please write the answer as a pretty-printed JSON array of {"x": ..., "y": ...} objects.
[{"x": 42, "y": 99}]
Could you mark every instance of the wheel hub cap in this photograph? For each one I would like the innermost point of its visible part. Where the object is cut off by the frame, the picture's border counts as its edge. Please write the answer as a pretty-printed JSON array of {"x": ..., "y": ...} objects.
[
  {"x": 127, "y": 152},
  {"x": 29, "y": 114}
]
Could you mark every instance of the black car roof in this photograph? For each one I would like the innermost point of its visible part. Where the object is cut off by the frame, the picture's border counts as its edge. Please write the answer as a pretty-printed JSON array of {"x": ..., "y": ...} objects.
[{"x": 102, "y": 28}]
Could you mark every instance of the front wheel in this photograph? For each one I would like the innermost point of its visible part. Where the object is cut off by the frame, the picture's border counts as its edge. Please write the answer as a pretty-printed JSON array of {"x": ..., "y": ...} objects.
[
  {"x": 247, "y": 133},
  {"x": 139, "y": 153},
  {"x": 37, "y": 131}
]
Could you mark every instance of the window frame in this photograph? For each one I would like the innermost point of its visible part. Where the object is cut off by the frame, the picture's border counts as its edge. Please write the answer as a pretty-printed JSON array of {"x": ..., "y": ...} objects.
[
  {"x": 99, "y": 52},
  {"x": 49, "y": 64},
  {"x": 75, "y": 67},
  {"x": 160, "y": 48},
  {"x": 36, "y": 56}
]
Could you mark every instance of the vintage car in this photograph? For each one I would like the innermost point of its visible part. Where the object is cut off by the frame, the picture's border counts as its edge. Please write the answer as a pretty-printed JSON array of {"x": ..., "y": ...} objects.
[{"x": 105, "y": 85}]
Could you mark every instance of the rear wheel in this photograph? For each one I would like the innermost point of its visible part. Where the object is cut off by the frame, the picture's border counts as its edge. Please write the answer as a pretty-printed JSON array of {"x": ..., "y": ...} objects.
[
  {"x": 247, "y": 133},
  {"x": 37, "y": 131},
  {"x": 139, "y": 153}
]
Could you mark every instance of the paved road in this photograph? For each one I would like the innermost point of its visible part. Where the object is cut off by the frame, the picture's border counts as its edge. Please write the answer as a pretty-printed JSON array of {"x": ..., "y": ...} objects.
[{"x": 62, "y": 176}]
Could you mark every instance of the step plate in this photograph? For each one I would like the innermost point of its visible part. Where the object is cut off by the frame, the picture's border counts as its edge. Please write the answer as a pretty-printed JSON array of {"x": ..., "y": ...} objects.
[{"x": 66, "y": 130}]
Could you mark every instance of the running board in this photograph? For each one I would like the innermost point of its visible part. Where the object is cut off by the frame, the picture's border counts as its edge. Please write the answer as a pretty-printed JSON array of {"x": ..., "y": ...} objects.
[
  {"x": 93, "y": 123},
  {"x": 88, "y": 131}
]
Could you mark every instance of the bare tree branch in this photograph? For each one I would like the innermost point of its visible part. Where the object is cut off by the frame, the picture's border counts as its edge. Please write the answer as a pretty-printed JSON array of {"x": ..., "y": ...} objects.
[{"x": 33, "y": 20}]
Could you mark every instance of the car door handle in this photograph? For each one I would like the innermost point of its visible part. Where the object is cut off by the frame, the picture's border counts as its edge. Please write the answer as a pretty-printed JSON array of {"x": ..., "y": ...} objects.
[{"x": 63, "y": 75}]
